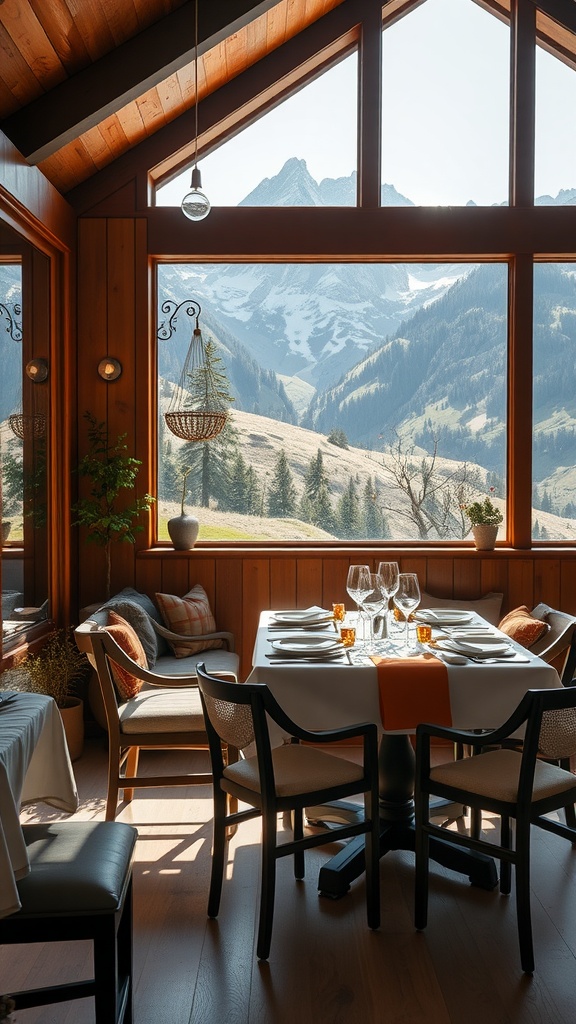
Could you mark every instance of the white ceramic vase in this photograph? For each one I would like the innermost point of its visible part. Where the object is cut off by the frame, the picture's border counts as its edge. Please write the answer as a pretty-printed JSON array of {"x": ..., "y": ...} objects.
[{"x": 183, "y": 532}]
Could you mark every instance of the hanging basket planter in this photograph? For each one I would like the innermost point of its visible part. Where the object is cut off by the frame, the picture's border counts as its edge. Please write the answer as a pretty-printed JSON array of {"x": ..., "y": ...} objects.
[
  {"x": 196, "y": 426},
  {"x": 27, "y": 427},
  {"x": 198, "y": 409}
]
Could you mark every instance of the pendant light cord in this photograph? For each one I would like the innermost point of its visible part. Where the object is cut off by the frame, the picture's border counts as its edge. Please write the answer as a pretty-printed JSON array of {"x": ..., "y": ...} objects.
[{"x": 196, "y": 82}]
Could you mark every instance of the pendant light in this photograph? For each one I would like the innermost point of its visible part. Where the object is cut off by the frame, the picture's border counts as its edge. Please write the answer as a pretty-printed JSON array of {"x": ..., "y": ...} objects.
[{"x": 195, "y": 205}]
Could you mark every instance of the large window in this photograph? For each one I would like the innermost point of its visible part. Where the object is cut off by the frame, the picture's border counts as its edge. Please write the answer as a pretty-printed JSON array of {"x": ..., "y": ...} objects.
[
  {"x": 369, "y": 399},
  {"x": 554, "y": 433},
  {"x": 445, "y": 107},
  {"x": 300, "y": 153},
  {"x": 555, "y": 150}
]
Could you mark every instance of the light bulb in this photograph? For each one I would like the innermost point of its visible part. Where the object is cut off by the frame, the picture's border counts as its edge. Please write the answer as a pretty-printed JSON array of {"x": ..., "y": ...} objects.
[{"x": 195, "y": 205}]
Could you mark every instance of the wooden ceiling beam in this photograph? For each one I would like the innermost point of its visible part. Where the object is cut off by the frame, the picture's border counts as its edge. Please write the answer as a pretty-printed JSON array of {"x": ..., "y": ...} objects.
[
  {"x": 124, "y": 74},
  {"x": 232, "y": 106},
  {"x": 559, "y": 10}
]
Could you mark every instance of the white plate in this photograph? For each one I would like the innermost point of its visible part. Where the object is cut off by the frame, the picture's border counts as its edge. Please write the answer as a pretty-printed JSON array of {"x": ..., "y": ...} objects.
[
  {"x": 442, "y": 616},
  {"x": 306, "y": 644},
  {"x": 477, "y": 648},
  {"x": 479, "y": 638},
  {"x": 299, "y": 617}
]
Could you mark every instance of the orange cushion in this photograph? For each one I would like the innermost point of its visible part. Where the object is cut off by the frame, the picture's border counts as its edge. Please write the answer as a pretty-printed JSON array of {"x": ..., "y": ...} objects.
[
  {"x": 126, "y": 637},
  {"x": 189, "y": 616},
  {"x": 523, "y": 627}
]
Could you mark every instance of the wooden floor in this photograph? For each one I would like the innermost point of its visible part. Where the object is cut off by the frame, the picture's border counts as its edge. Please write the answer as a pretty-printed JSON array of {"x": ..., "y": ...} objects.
[{"x": 325, "y": 966}]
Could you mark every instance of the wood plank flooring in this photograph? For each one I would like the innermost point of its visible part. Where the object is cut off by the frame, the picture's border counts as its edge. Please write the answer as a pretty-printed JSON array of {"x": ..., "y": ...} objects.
[{"x": 326, "y": 966}]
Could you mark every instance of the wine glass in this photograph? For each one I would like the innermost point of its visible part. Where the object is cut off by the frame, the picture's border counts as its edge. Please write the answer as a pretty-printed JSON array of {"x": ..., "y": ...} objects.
[
  {"x": 358, "y": 585},
  {"x": 407, "y": 597},
  {"x": 374, "y": 600},
  {"x": 388, "y": 572}
]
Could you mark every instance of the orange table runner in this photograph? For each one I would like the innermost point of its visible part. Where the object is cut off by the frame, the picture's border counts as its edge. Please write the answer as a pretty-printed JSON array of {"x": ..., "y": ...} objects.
[{"x": 413, "y": 690}]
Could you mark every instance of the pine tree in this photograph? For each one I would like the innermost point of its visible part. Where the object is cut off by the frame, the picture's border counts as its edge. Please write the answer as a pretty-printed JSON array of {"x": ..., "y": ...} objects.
[
  {"x": 316, "y": 499},
  {"x": 282, "y": 493},
  {"x": 348, "y": 513}
]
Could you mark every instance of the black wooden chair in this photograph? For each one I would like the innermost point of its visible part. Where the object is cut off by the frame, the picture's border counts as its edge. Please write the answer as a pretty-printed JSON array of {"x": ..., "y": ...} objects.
[
  {"x": 79, "y": 887},
  {"x": 512, "y": 783},
  {"x": 277, "y": 780}
]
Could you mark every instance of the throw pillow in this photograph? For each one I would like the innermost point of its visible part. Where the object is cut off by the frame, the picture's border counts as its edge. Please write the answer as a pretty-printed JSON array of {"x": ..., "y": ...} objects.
[
  {"x": 139, "y": 619},
  {"x": 487, "y": 606},
  {"x": 521, "y": 626},
  {"x": 145, "y": 602},
  {"x": 127, "y": 684},
  {"x": 189, "y": 616}
]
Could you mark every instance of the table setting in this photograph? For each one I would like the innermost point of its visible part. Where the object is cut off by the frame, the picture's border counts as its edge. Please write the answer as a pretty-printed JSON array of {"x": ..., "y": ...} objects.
[{"x": 395, "y": 667}]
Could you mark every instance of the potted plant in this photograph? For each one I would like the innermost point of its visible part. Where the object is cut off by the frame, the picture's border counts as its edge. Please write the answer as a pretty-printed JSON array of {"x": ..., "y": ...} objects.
[
  {"x": 183, "y": 529},
  {"x": 111, "y": 471},
  {"x": 485, "y": 519},
  {"x": 55, "y": 671}
]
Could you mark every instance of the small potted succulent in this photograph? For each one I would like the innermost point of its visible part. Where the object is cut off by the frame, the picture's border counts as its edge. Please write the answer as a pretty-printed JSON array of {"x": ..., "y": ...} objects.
[{"x": 485, "y": 519}]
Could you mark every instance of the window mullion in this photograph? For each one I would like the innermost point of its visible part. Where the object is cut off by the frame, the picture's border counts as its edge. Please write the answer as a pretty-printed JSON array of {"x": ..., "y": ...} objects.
[{"x": 522, "y": 102}]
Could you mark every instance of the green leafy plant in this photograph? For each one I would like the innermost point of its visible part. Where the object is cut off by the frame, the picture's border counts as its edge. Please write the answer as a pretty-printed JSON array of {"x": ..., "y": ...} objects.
[
  {"x": 111, "y": 471},
  {"x": 53, "y": 671},
  {"x": 483, "y": 513}
]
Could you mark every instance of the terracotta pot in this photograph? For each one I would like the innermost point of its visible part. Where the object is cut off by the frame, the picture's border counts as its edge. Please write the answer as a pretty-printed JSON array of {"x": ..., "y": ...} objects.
[
  {"x": 183, "y": 531},
  {"x": 73, "y": 720},
  {"x": 485, "y": 537}
]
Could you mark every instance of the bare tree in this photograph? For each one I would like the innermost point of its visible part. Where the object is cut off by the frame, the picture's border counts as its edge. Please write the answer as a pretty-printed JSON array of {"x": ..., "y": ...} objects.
[{"x": 434, "y": 494}]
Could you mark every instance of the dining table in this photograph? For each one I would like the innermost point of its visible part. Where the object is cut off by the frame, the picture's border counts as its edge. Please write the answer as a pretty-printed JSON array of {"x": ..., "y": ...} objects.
[
  {"x": 35, "y": 767},
  {"x": 471, "y": 676}
]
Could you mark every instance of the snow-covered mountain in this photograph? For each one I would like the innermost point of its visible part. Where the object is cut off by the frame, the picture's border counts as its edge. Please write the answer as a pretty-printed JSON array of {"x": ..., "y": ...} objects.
[
  {"x": 295, "y": 186},
  {"x": 313, "y": 321}
]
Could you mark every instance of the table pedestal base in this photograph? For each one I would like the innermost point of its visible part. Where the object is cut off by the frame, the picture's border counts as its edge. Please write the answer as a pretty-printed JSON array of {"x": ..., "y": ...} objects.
[{"x": 396, "y": 785}]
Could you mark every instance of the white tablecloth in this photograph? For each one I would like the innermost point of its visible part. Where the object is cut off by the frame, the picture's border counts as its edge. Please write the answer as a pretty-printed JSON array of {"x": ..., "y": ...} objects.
[
  {"x": 328, "y": 695},
  {"x": 34, "y": 766}
]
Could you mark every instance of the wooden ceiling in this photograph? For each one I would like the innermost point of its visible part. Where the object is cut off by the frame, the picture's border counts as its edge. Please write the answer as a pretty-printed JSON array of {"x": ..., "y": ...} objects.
[{"x": 84, "y": 81}]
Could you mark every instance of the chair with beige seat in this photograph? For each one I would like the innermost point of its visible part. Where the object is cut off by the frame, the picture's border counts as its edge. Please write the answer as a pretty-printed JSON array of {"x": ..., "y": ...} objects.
[
  {"x": 558, "y": 645},
  {"x": 511, "y": 783},
  {"x": 144, "y": 710},
  {"x": 283, "y": 779}
]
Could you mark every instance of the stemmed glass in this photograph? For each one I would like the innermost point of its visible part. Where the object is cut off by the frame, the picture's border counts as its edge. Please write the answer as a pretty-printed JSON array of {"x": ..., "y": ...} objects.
[
  {"x": 407, "y": 597},
  {"x": 388, "y": 572},
  {"x": 358, "y": 585},
  {"x": 374, "y": 600}
]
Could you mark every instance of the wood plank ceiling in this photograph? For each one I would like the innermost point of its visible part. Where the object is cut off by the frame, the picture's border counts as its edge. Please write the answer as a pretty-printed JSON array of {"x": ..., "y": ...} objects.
[{"x": 81, "y": 83}]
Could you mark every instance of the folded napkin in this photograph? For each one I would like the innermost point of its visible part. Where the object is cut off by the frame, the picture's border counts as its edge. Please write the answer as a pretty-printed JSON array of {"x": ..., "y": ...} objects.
[{"x": 413, "y": 690}]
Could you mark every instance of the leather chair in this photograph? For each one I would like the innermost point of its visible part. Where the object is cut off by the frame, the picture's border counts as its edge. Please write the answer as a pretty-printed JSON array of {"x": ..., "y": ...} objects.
[
  {"x": 166, "y": 715},
  {"x": 517, "y": 784},
  {"x": 279, "y": 780},
  {"x": 79, "y": 887}
]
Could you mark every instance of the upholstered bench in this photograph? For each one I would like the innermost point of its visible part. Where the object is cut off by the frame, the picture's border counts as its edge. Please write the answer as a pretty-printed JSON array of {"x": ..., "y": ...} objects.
[{"x": 166, "y": 651}]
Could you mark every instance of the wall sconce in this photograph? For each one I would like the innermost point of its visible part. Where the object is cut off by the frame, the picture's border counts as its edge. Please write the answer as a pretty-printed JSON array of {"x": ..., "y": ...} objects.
[
  {"x": 37, "y": 370},
  {"x": 109, "y": 369}
]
